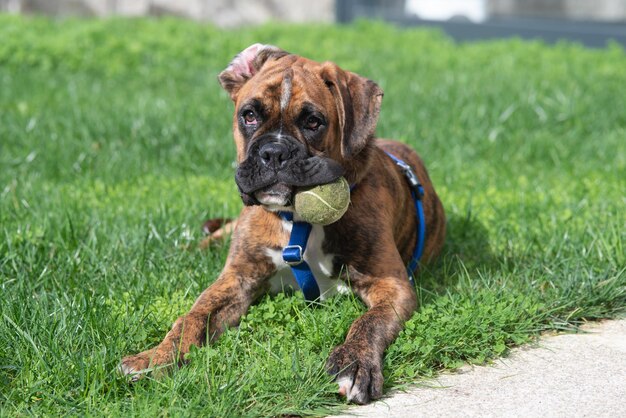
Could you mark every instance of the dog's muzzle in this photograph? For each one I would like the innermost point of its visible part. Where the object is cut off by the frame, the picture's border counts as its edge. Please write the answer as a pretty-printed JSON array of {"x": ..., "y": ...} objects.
[{"x": 278, "y": 164}]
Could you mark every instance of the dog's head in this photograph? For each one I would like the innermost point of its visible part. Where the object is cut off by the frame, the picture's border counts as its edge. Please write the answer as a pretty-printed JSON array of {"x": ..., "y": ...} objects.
[{"x": 297, "y": 123}]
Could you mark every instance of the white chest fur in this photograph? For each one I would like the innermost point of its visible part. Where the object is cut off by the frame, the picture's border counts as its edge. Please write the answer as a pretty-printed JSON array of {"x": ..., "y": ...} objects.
[{"x": 321, "y": 265}]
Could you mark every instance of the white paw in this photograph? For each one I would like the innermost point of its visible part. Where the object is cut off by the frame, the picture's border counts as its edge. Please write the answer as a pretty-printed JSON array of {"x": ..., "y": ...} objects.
[
  {"x": 348, "y": 389},
  {"x": 130, "y": 372}
]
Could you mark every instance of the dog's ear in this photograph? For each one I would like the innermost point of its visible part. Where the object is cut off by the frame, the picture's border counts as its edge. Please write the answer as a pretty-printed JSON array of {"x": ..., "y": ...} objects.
[
  {"x": 246, "y": 64},
  {"x": 358, "y": 103}
]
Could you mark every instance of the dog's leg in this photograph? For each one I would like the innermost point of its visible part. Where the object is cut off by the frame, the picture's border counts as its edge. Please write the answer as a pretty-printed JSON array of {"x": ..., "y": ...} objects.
[
  {"x": 220, "y": 306},
  {"x": 357, "y": 363},
  {"x": 217, "y": 231}
]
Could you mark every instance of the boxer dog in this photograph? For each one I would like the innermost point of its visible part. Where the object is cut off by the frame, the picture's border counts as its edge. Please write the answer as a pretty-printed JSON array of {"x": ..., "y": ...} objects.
[{"x": 300, "y": 123}]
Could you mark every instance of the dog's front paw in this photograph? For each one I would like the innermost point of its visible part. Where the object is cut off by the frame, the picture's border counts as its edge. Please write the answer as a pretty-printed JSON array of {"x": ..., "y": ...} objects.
[
  {"x": 134, "y": 366},
  {"x": 358, "y": 372},
  {"x": 137, "y": 366}
]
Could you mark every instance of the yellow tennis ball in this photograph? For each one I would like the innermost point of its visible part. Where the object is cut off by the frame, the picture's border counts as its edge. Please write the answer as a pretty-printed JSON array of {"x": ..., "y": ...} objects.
[{"x": 323, "y": 204}]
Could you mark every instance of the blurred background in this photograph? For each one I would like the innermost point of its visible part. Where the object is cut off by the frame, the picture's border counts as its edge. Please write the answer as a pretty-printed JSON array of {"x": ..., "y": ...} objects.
[{"x": 592, "y": 23}]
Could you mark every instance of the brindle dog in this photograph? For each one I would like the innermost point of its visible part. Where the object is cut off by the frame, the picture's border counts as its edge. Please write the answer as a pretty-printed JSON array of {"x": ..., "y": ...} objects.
[{"x": 300, "y": 123}]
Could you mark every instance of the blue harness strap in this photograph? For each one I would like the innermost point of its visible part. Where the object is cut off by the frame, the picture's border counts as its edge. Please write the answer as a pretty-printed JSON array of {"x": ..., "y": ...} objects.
[
  {"x": 293, "y": 253},
  {"x": 417, "y": 192}
]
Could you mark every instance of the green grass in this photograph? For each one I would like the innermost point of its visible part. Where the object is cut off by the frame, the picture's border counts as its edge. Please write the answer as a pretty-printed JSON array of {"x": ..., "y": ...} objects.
[{"x": 115, "y": 145}]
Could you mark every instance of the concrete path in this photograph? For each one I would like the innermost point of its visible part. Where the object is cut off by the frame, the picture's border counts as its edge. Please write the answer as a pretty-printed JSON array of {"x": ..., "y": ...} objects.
[{"x": 568, "y": 375}]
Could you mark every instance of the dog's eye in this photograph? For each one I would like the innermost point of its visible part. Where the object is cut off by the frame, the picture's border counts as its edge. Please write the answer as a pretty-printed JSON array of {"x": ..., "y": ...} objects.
[
  {"x": 313, "y": 123},
  {"x": 249, "y": 117}
]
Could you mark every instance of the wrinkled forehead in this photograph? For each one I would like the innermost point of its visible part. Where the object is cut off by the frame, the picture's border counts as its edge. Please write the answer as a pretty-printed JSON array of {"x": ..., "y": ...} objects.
[{"x": 287, "y": 83}]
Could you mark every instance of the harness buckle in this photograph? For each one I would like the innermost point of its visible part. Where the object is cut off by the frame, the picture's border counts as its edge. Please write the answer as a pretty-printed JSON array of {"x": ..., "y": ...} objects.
[
  {"x": 411, "y": 177},
  {"x": 292, "y": 255}
]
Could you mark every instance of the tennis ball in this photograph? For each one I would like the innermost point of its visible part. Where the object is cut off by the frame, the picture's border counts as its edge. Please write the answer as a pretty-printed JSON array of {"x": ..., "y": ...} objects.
[{"x": 323, "y": 204}]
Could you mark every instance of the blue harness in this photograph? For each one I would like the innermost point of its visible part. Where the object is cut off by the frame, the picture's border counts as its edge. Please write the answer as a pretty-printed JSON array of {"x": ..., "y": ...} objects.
[{"x": 293, "y": 253}]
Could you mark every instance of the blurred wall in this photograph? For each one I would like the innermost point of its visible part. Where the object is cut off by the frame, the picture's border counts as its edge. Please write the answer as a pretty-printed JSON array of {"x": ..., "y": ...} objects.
[
  {"x": 231, "y": 13},
  {"x": 221, "y": 12},
  {"x": 606, "y": 10}
]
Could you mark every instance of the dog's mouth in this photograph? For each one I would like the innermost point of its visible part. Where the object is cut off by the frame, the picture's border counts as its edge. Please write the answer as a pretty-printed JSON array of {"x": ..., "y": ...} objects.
[
  {"x": 278, "y": 196},
  {"x": 276, "y": 166}
]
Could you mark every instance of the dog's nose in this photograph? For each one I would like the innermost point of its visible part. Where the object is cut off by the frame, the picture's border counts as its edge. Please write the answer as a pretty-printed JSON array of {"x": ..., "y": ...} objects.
[{"x": 274, "y": 154}]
